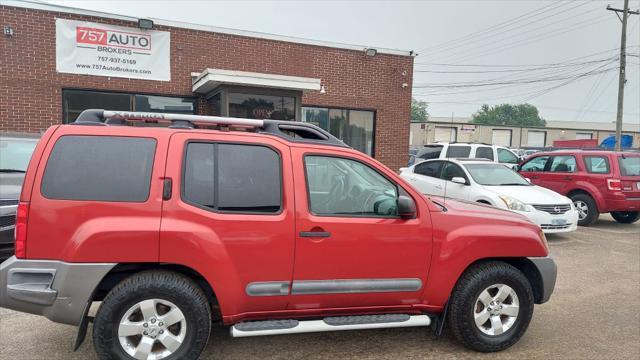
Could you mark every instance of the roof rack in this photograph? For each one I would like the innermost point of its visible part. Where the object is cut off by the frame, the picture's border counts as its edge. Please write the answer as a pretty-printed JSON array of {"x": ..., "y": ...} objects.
[
  {"x": 289, "y": 130},
  {"x": 473, "y": 159}
]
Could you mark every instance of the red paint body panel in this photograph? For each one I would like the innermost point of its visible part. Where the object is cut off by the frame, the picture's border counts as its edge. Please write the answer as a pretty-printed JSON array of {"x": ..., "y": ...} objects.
[
  {"x": 607, "y": 200},
  {"x": 232, "y": 250}
]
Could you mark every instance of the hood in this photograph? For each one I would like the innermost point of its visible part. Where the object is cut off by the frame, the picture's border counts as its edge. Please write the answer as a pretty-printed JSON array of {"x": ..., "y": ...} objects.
[
  {"x": 530, "y": 194},
  {"x": 478, "y": 210},
  {"x": 11, "y": 185}
]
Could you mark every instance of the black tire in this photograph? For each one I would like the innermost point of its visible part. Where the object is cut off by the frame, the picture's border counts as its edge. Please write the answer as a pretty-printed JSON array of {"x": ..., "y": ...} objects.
[
  {"x": 592, "y": 209},
  {"x": 463, "y": 303},
  {"x": 626, "y": 217},
  {"x": 167, "y": 286}
]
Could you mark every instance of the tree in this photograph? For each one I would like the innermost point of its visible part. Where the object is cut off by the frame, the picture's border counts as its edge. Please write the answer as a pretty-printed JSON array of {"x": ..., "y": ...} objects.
[
  {"x": 419, "y": 111},
  {"x": 510, "y": 115}
]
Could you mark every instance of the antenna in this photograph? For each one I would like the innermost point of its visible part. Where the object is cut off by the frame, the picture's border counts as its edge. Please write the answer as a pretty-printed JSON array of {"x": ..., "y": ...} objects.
[{"x": 447, "y": 157}]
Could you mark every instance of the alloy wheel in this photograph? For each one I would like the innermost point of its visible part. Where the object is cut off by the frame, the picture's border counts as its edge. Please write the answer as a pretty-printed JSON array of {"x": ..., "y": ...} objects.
[
  {"x": 152, "y": 329},
  {"x": 496, "y": 309},
  {"x": 583, "y": 209}
]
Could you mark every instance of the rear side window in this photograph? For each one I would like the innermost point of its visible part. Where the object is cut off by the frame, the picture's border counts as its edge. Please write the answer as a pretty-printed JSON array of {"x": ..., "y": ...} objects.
[
  {"x": 99, "y": 168},
  {"x": 457, "y": 151},
  {"x": 232, "y": 177},
  {"x": 563, "y": 163},
  {"x": 429, "y": 152},
  {"x": 428, "y": 168},
  {"x": 484, "y": 152},
  {"x": 596, "y": 164}
]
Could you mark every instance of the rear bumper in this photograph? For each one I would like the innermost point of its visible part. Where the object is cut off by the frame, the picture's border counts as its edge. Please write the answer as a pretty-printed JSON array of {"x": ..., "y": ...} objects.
[
  {"x": 621, "y": 203},
  {"x": 548, "y": 271},
  {"x": 58, "y": 290}
]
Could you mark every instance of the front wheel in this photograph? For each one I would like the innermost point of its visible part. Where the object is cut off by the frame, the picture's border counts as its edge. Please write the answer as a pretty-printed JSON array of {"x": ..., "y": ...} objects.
[
  {"x": 626, "y": 217},
  {"x": 491, "y": 307},
  {"x": 153, "y": 315}
]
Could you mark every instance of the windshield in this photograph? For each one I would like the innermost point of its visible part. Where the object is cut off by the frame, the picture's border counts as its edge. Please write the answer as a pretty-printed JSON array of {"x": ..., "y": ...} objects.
[
  {"x": 495, "y": 175},
  {"x": 15, "y": 153},
  {"x": 629, "y": 165}
]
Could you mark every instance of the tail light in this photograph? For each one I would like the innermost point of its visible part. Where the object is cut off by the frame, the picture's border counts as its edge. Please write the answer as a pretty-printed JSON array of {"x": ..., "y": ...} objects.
[
  {"x": 21, "y": 230},
  {"x": 614, "y": 184}
]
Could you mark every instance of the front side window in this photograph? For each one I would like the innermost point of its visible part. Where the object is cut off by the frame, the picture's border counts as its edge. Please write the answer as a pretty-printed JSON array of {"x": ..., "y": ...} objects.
[
  {"x": 232, "y": 178},
  {"x": 458, "y": 151},
  {"x": 596, "y": 164},
  {"x": 563, "y": 163},
  {"x": 99, "y": 168},
  {"x": 344, "y": 187},
  {"x": 428, "y": 168},
  {"x": 535, "y": 164},
  {"x": 484, "y": 152},
  {"x": 451, "y": 170},
  {"x": 507, "y": 157},
  {"x": 254, "y": 106}
]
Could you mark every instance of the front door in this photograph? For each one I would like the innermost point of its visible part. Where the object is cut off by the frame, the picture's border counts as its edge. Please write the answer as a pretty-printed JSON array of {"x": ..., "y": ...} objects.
[
  {"x": 560, "y": 173},
  {"x": 534, "y": 168},
  {"x": 352, "y": 249}
]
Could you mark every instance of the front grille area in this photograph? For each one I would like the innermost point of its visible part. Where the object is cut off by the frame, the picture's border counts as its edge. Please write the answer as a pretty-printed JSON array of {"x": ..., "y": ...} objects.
[
  {"x": 554, "y": 227},
  {"x": 8, "y": 220},
  {"x": 553, "y": 209}
]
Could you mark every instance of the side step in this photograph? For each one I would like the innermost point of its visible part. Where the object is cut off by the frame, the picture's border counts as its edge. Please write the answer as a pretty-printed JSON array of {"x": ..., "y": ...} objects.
[{"x": 337, "y": 323}]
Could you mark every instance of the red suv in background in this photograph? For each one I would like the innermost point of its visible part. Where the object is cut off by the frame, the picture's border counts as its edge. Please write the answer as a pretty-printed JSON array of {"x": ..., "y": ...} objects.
[{"x": 597, "y": 181}]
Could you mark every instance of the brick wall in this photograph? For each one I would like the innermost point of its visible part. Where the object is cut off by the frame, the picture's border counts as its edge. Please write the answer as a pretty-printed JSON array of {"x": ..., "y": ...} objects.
[{"x": 31, "y": 89}]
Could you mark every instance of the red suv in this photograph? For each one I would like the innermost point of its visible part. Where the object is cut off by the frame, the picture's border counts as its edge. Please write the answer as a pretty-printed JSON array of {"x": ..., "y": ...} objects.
[
  {"x": 597, "y": 181},
  {"x": 267, "y": 227}
]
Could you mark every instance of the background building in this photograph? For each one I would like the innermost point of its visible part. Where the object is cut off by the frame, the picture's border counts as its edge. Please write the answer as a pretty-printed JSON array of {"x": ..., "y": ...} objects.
[
  {"x": 461, "y": 130},
  {"x": 58, "y": 61}
]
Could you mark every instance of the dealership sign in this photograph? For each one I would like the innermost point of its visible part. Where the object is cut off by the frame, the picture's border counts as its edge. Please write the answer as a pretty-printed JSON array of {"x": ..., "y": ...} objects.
[{"x": 105, "y": 50}]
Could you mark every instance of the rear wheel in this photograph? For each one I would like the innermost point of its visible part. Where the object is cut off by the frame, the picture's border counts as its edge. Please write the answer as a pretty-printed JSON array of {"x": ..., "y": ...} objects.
[
  {"x": 153, "y": 315},
  {"x": 626, "y": 217},
  {"x": 491, "y": 307},
  {"x": 587, "y": 209}
]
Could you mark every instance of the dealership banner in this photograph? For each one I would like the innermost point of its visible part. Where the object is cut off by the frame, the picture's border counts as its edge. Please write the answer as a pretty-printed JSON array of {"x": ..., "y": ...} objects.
[{"x": 104, "y": 50}]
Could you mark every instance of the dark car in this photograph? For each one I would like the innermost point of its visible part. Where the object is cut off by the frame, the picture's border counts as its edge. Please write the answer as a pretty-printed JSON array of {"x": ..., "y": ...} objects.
[{"x": 15, "y": 152}]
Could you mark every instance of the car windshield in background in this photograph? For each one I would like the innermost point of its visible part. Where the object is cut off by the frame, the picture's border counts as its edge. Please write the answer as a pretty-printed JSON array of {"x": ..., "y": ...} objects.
[
  {"x": 495, "y": 175},
  {"x": 15, "y": 154},
  {"x": 629, "y": 165}
]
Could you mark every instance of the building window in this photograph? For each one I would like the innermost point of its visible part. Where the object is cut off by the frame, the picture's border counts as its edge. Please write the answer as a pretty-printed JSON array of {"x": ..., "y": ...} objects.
[
  {"x": 354, "y": 127},
  {"x": 253, "y": 106},
  {"x": 76, "y": 101}
]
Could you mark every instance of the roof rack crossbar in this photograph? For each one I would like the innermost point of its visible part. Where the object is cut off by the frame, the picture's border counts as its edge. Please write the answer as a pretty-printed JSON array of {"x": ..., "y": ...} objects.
[{"x": 99, "y": 116}]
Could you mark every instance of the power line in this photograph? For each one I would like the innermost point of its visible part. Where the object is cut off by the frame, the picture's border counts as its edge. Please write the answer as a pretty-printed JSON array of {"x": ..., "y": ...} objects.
[{"x": 510, "y": 70}]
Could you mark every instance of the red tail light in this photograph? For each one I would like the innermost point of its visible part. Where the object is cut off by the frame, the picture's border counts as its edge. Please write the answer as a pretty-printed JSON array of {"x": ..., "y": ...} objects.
[
  {"x": 614, "y": 184},
  {"x": 21, "y": 230}
]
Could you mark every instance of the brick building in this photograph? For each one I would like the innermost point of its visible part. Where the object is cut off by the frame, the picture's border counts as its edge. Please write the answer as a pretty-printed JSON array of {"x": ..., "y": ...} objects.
[{"x": 363, "y": 97}]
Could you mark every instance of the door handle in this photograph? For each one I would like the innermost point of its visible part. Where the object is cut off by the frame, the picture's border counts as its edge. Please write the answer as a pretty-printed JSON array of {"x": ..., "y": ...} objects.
[
  {"x": 533, "y": 177},
  {"x": 166, "y": 189},
  {"x": 315, "y": 234},
  {"x": 568, "y": 178},
  {"x": 438, "y": 186}
]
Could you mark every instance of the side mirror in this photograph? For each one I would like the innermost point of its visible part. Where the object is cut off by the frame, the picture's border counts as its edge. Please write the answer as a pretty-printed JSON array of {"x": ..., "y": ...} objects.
[
  {"x": 406, "y": 207},
  {"x": 459, "y": 180}
]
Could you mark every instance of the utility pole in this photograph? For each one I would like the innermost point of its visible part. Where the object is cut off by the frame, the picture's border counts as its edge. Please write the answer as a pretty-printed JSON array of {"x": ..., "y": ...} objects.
[{"x": 623, "y": 62}]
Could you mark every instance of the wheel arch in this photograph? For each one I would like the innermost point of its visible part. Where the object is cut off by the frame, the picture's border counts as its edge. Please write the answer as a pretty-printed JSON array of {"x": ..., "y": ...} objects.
[
  {"x": 124, "y": 270},
  {"x": 598, "y": 200}
]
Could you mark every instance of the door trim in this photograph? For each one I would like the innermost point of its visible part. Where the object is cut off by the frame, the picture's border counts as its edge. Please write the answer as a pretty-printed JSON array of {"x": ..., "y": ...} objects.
[{"x": 351, "y": 286}]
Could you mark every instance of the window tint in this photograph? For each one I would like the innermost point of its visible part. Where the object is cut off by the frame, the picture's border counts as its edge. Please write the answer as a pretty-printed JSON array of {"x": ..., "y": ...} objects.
[
  {"x": 629, "y": 165},
  {"x": 535, "y": 164},
  {"x": 451, "y": 170},
  {"x": 428, "y": 168},
  {"x": 232, "y": 177},
  {"x": 596, "y": 164},
  {"x": 484, "y": 152},
  {"x": 429, "y": 152},
  {"x": 457, "y": 151},
  {"x": 563, "y": 163},
  {"x": 100, "y": 168},
  {"x": 338, "y": 186},
  {"x": 506, "y": 156}
]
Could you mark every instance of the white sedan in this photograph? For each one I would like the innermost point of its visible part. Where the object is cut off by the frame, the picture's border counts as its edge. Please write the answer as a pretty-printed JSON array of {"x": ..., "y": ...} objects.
[{"x": 493, "y": 184}]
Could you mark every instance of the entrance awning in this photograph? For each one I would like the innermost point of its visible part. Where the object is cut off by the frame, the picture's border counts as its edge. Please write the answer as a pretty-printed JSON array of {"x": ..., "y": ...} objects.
[{"x": 209, "y": 79}]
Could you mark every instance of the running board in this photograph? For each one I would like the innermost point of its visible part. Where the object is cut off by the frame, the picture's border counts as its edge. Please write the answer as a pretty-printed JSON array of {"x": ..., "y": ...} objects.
[{"x": 337, "y": 323}]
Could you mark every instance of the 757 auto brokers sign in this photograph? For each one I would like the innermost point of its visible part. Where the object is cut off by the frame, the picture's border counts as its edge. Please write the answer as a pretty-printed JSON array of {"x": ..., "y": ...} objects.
[{"x": 105, "y": 50}]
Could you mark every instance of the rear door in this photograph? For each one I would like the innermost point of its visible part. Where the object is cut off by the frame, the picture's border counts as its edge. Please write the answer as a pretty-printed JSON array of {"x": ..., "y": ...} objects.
[
  {"x": 560, "y": 174},
  {"x": 426, "y": 178},
  {"x": 230, "y": 216}
]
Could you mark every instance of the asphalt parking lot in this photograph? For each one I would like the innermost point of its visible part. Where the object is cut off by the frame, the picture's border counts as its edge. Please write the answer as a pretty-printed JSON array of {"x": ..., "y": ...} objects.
[{"x": 592, "y": 314}]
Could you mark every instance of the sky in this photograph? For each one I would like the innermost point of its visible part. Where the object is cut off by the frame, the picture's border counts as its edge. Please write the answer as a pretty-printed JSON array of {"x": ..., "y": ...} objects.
[{"x": 559, "y": 55}]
